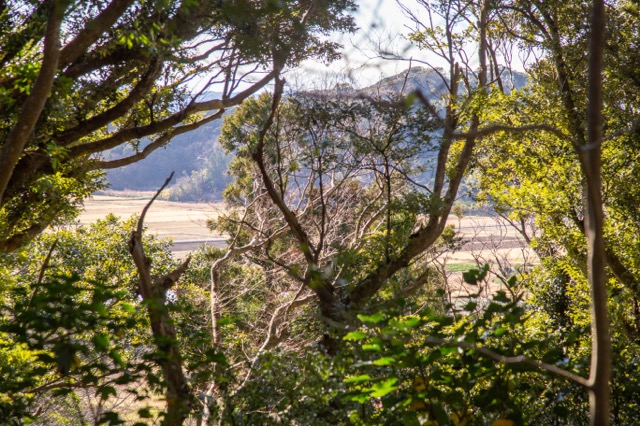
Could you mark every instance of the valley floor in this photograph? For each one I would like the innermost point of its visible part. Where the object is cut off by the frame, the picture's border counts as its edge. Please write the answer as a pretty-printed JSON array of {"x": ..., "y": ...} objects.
[
  {"x": 485, "y": 239},
  {"x": 184, "y": 223}
]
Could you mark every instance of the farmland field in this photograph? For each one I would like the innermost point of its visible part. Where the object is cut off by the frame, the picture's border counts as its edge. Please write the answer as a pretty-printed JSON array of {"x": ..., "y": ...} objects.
[
  {"x": 483, "y": 237},
  {"x": 184, "y": 223}
]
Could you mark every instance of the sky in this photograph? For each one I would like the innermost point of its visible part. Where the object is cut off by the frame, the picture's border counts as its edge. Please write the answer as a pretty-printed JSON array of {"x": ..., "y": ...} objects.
[
  {"x": 382, "y": 26},
  {"x": 376, "y": 20}
]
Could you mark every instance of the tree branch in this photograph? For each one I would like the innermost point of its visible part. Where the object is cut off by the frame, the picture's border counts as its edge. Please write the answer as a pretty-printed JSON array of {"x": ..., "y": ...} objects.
[
  {"x": 14, "y": 145},
  {"x": 591, "y": 162},
  {"x": 101, "y": 120},
  {"x": 179, "y": 398},
  {"x": 92, "y": 31},
  {"x": 139, "y": 132},
  {"x": 512, "y": 360},
  {"x": 158, "y": 143},
  {"x": 323, "y": 289},
  {"x": 494, "y": 128}
]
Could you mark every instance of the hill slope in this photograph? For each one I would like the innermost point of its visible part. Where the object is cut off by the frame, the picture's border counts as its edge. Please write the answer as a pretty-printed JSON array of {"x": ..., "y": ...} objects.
[{"x": 200, "y": 164}]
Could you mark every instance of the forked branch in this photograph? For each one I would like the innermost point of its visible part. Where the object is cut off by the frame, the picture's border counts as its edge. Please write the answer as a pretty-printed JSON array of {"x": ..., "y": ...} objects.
[{"x": 153, "y": 292}]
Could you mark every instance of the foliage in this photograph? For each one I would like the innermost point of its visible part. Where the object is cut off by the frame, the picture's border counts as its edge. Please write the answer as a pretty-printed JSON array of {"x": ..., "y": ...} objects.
[
  {"x": 435, "y": 369},
  {"x": 346, "y": 168},
  {"x": 79, "y": 79},
  {"x": 72, "y": 325},
  {"x": 325, "y": 307},
  {"x": 543, "y": 178}
]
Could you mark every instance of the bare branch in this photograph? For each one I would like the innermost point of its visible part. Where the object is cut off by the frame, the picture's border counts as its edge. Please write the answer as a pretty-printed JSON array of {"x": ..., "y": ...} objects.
[
  {"x": 43, "y": 269},
  {"x": 274, "y": 333},
  {"x": 148, "y": 205},
  {"x": 179, "y": 397},
  {"x": 138, "y": 132},
  {"x": 45, "y": 264},
  {"x": 323, "y": 289},
  {"x": 158, "y": 143}
]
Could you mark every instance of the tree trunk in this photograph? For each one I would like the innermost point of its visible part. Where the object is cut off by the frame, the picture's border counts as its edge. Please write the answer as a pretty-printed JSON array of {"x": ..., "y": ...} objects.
[{"x": 591, "y": 161}]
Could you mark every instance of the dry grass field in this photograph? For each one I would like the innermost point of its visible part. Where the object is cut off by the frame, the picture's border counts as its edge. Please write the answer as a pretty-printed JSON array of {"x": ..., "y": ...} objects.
[
  {"x": 485, "y": 239},
  {"x": 184, "y": 223}
]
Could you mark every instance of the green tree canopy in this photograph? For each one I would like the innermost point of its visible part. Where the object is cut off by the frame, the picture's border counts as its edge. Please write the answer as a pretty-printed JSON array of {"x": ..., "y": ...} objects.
[{"x": 79, "y": 78}]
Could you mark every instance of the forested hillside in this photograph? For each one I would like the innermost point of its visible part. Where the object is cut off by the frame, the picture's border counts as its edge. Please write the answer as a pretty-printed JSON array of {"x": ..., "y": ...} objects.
[
  {"x": 200, "y": 163},
  {"x": 196, "y": 158}
]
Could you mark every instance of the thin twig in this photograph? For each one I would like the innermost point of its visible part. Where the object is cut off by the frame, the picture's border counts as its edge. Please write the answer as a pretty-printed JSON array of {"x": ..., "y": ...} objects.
[
  {"x": 45, "y": 266},
  {"x": 146, "y": 208}
]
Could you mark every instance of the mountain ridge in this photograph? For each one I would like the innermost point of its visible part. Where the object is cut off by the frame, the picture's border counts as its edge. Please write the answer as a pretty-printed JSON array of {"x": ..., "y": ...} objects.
[{"x": 200, "y": 164}]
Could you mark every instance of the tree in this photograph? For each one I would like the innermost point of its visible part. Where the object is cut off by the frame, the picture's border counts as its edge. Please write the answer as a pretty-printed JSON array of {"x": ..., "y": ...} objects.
[
  {"x": 557, "y": 34},
  {"x": 348, "y": 165},
  {"x": 70, "y": 309},
  {"x": 329, "y": 206},
  {"x": 79, "y": 78},
  {"x": 457, "y": 22},
  {"x": 346, "y": 170},
  {"x": 453, "y": 153}
]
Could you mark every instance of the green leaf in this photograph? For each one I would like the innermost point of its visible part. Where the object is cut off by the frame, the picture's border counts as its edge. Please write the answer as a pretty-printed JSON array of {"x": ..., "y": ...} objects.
[
  {"x": 442, "y": 320},
  {"x": 145, "y": 413},
  {"x": 372, "y": 347},
  {"x": 403, "y": 324},
  {"x": 110, "y": 418},
  {"x": 387, "y": 360},
  {"x": 217, "y": 357},
  {"x": 106, "y": 391},
  {"x": 472, "y": 276},
  {"x": 374, "y": 319},
  {"x": 501, "y": 296},
  {"x": 359, "y": 398},
  {"x": 355, "y": 336},
  {"x": 117, "y": 358},
  {"x": 500, "y": 331},
  {"x": 101, "y": 342},
  {"x": 470, "y": 306},
  {"x": 445, "y": 350},
  {"x": 411, "y": 322},
  {"x": 128, "y": 307},
  {"x": 410, "y": 99},
  {"x": 381, "y": 389},
  {"x": 226, "y": 321},
  {"x": 358, "y": 379}
]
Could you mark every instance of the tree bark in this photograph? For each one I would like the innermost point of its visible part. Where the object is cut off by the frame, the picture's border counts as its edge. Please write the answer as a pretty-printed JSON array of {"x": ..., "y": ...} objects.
[
  {"x": 153, "y": 291},
  {"x": 14, "y": 145},
  {"x": 591, "y": 161}
]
